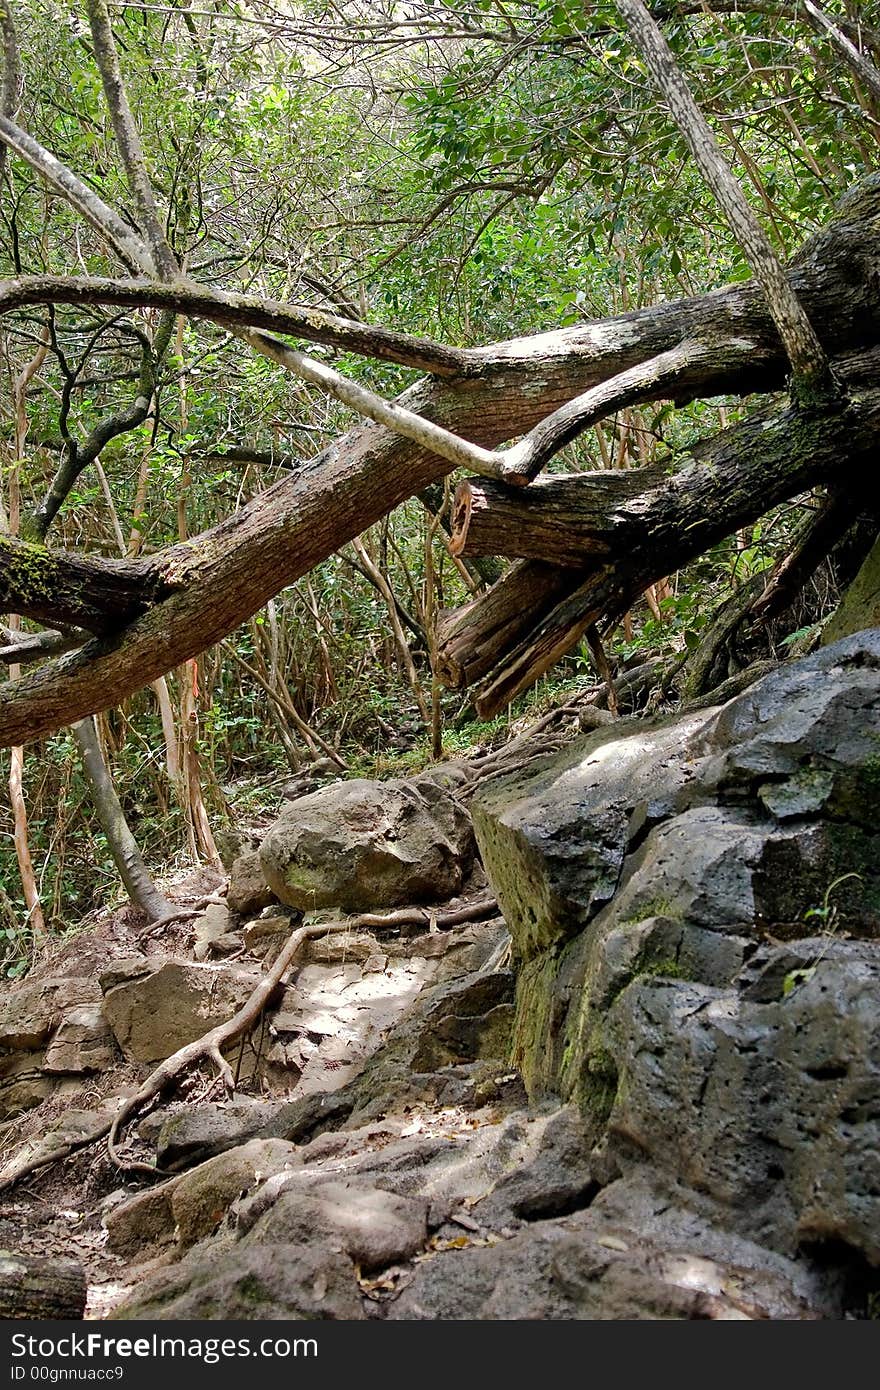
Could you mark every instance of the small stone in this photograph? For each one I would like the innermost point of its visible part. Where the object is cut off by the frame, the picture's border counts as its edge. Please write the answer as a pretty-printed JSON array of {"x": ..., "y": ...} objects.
[
  {"x": 195, "y": 1134},
  {"x": 261, "y": 930},
  {"x": 214, "y": 925},
  {"x": 248, "y": 889},
  {"x": 376, "y": 1228}
]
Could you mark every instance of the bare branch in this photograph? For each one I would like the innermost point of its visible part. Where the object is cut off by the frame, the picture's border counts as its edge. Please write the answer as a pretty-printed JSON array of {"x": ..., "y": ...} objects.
[
  {"x": 451, "y": 447},
  {"x": 77, "y": 457},
  {"x": 646, "y": 381},
  {"x": 241, "y": 310},
  {"x": 24, "y": 647},
  {"x": 797, "y": 333}
]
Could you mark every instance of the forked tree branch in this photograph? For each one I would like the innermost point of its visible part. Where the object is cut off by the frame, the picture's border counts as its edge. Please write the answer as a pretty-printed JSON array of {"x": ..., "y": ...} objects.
[{"x": 128, "y": 246}]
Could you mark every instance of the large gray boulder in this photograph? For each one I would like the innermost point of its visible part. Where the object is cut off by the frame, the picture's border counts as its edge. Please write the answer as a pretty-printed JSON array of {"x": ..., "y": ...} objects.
[
  {"x": 641, "y": 1250},
  {"x": 677, "y": 845},
  {"x": 363, "y": 845},
  {"x": 695, "y": 904}
]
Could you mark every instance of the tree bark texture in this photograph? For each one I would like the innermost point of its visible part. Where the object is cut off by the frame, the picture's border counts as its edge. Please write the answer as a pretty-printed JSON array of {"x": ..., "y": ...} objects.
[{"x": 563, "y": 520}]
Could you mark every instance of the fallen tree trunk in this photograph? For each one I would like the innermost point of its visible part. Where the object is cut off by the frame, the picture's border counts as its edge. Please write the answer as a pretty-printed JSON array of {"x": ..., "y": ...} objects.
[
  {"x": 73, "y": 590},
  {"x": 37, "y": 1288},
  {"x": 564, "y": 520},
  {"x": 474, "y": 638},
  {"x": 729, "y": 482}
]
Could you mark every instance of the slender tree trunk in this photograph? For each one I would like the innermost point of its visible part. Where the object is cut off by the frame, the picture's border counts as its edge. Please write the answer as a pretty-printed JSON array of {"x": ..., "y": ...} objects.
[
  {"x": 799, "y": 338},
  {"x": 169, "y": 731},
  {"x": 377, "y": 578},
  {"x": 123, "y": 846},
  {"x": 36, "y": 919}
]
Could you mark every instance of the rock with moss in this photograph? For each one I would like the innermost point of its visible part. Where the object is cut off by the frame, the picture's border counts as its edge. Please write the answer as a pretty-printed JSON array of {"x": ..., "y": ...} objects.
[
  {"x": 672, "y": 848},
  {"x": 363, "y": 846},
  {"x": 764, "y": 1095}
]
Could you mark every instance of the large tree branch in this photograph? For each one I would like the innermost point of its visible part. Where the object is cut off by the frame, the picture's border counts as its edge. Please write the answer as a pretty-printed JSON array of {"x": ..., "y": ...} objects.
[
  {"x": 738, "y": 311},
  {"x": 563, "y": 520},
  {"x": 241, "y": 311},
  {"x": 657, "y": 377},
  {"x": 79, "y": 591}
]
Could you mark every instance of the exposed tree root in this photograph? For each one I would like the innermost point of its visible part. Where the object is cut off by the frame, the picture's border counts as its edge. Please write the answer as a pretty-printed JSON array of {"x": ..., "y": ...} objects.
[
  {"x": 181, "y": 914},
  {"x": 441, "y": 918},
  {"x": 209, "y": 1046}
]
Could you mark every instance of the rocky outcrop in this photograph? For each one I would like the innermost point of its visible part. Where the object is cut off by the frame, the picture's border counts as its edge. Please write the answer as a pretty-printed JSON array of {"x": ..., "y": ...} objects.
[
  {"x": 666, "y": 1106},
  {"x": 48, "y": 1025},
  {"x": 497, "y": 1216},
  {"x": 82, "y": 1042},
  {"x": 33, "y": 1008},
  {"x": 764, "y": 1095},
  {"x": 362, "y": 846},
  {"x": 685, "y": 897},
  {"x": 636, "y": 1253}
]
